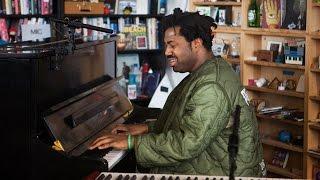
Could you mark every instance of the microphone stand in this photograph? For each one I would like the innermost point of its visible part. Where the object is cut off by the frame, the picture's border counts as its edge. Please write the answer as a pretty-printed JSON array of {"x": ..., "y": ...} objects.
[{"x": 60, "y": 49}]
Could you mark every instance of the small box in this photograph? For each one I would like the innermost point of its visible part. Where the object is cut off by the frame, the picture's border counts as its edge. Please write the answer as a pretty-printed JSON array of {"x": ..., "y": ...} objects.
[
  {"x": 266, "y": 55},
  {"x": 294, "y": 55},
  {"x": 83, "y": 7}
]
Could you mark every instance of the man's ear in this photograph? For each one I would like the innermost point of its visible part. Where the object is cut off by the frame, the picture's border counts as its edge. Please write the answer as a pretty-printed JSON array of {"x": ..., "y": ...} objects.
[{"x": 197, "y": 43}]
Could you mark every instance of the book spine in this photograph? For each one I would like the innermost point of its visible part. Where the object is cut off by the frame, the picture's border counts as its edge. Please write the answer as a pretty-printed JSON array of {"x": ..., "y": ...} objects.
[{"x": 8, "y": 7}]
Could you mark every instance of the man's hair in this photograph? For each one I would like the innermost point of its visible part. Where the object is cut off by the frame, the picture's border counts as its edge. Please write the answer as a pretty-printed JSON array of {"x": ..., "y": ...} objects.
[{"x": 192, "y": 26}]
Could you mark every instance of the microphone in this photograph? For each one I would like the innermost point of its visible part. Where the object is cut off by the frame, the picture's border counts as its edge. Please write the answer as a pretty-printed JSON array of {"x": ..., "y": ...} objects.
[{"x": 77, "y": 24}]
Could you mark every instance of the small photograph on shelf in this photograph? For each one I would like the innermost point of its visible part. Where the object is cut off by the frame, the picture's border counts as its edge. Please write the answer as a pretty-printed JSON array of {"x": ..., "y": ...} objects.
[
  {"x": 316, "y": 172},
  {"x": 236, "y": 17},
  {"x": 110, "y": 6},
  {"x": 204, "y": 10},
  {"x": 274, "y": 46},
  {"x": 141, "y": 42},
  {"x": 127, "y": 7},
  {"x": 222, "y": 17}
]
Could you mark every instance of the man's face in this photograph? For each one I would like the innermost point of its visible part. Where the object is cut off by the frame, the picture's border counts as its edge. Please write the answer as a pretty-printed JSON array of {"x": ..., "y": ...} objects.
[{"x": 178, "y": 51}]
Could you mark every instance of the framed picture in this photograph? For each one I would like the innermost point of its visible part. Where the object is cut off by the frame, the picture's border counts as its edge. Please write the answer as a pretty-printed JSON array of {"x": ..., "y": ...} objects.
[
  {"x": 141, "y": 42},
  {"x": 274, "y": 46},
  {"x": 316, "y": 172},
  {"x": 222, "y": 17}
]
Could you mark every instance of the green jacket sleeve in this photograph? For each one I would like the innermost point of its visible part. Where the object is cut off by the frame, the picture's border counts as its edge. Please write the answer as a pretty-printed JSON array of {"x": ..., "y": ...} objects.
[{"x": 205, "y": 115}]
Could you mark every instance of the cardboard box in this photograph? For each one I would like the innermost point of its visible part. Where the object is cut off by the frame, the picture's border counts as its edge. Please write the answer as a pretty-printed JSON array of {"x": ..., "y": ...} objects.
[{"x": 83, "y": 7}]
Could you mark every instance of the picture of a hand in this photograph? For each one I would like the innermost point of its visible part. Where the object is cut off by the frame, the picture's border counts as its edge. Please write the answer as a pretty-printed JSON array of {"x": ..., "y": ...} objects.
[{"x": 272, "y": 13}]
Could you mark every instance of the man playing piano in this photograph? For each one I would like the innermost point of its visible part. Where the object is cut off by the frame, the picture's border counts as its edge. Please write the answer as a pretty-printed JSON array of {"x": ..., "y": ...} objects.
[{"x": 192, "y": 133}]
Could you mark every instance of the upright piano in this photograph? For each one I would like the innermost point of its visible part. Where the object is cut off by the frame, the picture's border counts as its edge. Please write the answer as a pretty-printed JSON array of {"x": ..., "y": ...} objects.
[{"x": 49, "y": 93}]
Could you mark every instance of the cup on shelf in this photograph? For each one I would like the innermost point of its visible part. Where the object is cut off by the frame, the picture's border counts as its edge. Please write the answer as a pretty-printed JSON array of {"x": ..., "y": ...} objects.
[{"x": 261, "y": 82}]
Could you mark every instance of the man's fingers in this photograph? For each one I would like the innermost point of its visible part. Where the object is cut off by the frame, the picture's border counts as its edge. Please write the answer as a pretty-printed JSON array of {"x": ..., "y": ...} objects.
[
  {"x": 104, "y": 146},
  {"x": 120, "y": 129},
  {"x": 100, "y": 141}
]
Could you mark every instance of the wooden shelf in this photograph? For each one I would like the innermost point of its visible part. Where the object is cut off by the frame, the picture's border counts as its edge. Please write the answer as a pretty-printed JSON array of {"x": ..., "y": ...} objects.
[
  {"x": 315, "y": 98},
  {"x": 18, "y": 16},
  {"x": 273, "y": 91},
  {"x": 315, "y": 126},
  {"x": 228, "y": 29},
  {"x": 232, "y": 60},
  {"x": 275, "y": 32},
  {"x": 279, "y": 144},
  {"x": 218, "y": 3},
  {"x": 282, "y": 171},
  {"x": 315, "y": 70},
  {"x": 272, "y": 64},
  {"x": 140, "y": 51},
  {"x": 314, "y": 154},
  {"x": 293, "y": 122},
  {"x": 315, "y": 35},
  {"x": 115, "y": 15}
]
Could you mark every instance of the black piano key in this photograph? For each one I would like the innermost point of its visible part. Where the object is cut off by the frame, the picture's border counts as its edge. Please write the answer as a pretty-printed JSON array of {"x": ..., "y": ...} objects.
[
  {"x": 188, "y": 178},
  {"x": 145, "y": 177},
  {"x": 177, "y": 178},
  {"x": 134, "y": 177},
  {"x": 214, "y": 179},
  {"x": 101, "y": 177},
  {"x": 170, "y": 178},
  {"x": 196, "y": 178},
  {"x": 108, "y": 177},
  {"x": 207, "y": 178},
  {"x": 119, "y": 177},
  {"x": 152, "y": 178},
  {"x": 163, "y": 178},
  {"x": 126, "y": 177}
]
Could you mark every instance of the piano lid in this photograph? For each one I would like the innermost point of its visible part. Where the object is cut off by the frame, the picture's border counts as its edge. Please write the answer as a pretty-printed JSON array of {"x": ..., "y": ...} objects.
[
  {"x": 37, "y": 50},
  {"x": 78, "y": 121}
]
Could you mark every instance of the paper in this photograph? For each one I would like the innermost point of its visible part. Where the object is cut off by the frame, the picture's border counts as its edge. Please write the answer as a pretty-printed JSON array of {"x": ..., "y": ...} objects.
[{"x": 170, "y": 80}]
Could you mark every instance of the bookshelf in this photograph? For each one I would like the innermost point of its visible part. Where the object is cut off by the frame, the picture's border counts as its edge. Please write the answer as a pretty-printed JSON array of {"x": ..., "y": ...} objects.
[
  {"x": 312, "y": 131},
  {"x": 301, "y": 161},
  {"x": 17, "y": 13},
  {"x": 227, "y": 33}
]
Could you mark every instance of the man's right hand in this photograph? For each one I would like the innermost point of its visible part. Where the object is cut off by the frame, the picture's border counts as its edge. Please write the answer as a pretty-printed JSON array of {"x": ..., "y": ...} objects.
[{"x": 133, "y": 129}]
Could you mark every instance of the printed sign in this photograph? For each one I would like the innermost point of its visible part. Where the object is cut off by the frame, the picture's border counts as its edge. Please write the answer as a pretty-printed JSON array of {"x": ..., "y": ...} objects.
[{"x": 35, "y": 31}]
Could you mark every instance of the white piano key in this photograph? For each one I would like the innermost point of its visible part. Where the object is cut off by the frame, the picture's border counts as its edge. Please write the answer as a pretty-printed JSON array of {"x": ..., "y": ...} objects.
[{"x": 113, "y": 157}]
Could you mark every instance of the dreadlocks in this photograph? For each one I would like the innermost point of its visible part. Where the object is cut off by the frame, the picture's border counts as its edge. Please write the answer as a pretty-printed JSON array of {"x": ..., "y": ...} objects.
[{"x": 192, "y": 26}]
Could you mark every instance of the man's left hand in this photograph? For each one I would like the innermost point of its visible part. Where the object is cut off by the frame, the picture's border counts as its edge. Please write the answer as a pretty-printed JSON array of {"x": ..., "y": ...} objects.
[{"x": 117, "y": 141}]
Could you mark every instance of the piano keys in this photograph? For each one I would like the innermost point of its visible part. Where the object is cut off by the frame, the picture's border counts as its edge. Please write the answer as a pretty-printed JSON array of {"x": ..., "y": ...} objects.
[{"x": 141, "y": 176}]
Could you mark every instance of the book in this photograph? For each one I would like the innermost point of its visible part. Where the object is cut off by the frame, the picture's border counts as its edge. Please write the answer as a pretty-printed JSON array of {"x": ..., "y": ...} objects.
[
  {"x": 143, "y": 6},
  {"x": 136, "y": 36},
  {"x": 162, "y": 6},
  {"x": 280, "y": 158}
]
